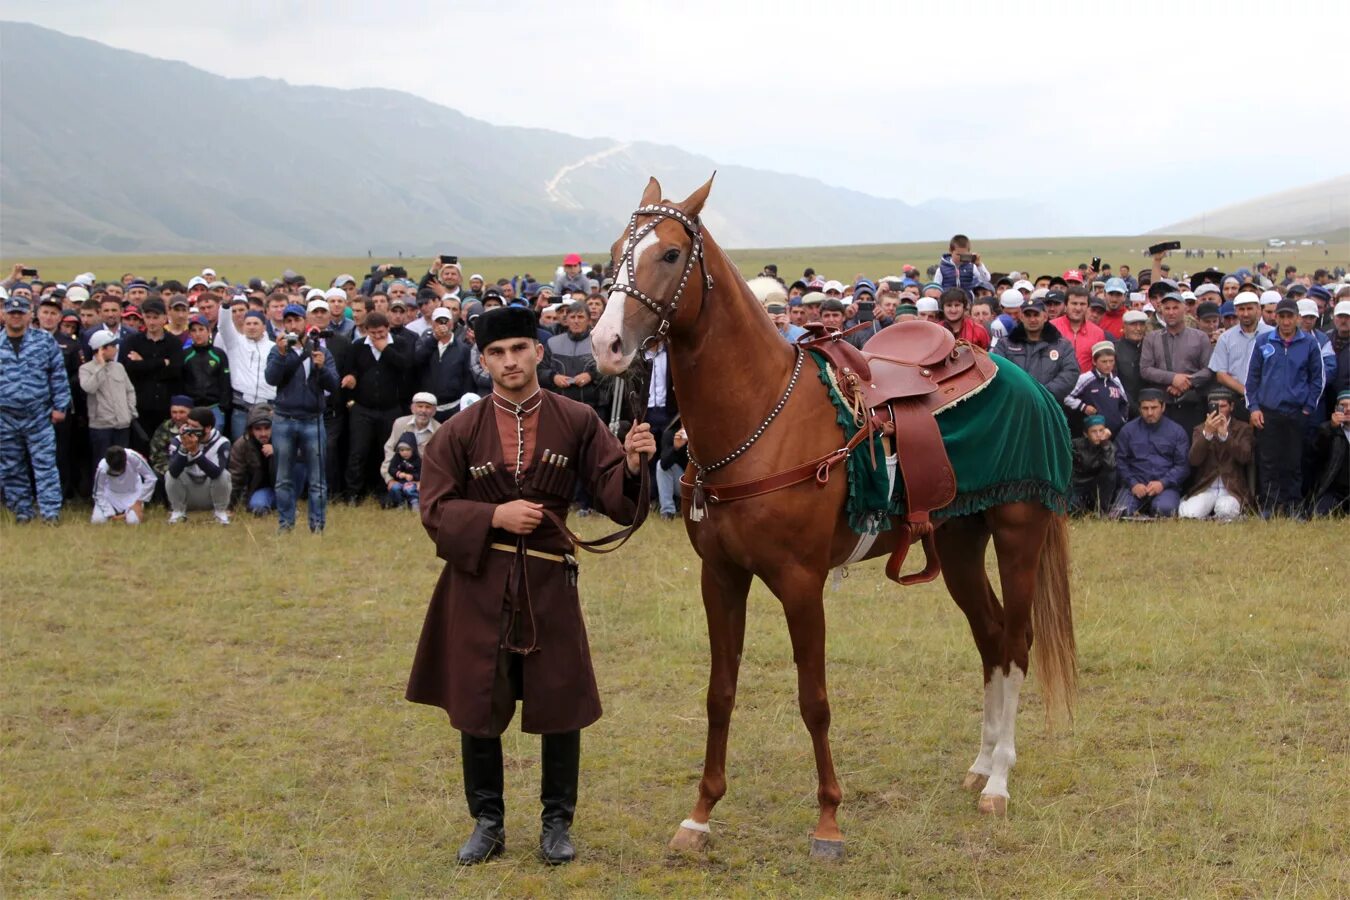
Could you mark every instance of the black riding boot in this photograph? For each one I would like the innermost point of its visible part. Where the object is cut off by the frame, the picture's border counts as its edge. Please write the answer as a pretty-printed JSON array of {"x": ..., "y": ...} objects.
[
  {"x": 558, "y": 794},
  {"x": 483, "y": 790}
]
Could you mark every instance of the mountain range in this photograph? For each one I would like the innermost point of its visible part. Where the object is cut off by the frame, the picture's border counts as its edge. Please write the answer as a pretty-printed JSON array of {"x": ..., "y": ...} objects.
[
  {"x": 105, "y": 150},
  {"x": 1320, "y": 208}
]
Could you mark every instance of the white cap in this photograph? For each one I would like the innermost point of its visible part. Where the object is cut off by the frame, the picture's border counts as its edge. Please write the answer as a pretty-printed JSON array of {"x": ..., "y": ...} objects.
[
  {"x": 77, "y": 293},
  {"x": 342, "y": 279},
  {"x": 1010, "y": 299},
  {"x": 1040, "y": 293},
  {"x": 196, "y": 281},
  {"x": 1134, "y": 315},
  {"x": 424, "y": 397},
  {"x": 927, "y": 304},
  {"x": 1246, "y": 297},
  {"x": 1270, "y": 297},
  {"x": 208, "y": 273},
  {"x": 1023, "y": 285},
  {"x": 317, "y": 303},
  {"x": 102, "y": 338},
  {"x": 1148, "y": 308},
  {"x": 1188, "y": 296},
  {"x": 4, "y": 294},
  {"x": 216, "y": 284},
  {"x": 314, "y": 294},
  {"x": 1208, "y": 288},
  {"x": 1307, "y": 308},
  {"x": 441, "y": 312},
  {"x": 1342, "y": 308},
  {"x": 479, "y": 277},
  {"x": 833, "y": 285},
  {"x": 1137, "y": 296},
  {"x": 84, "y": 278},
  {"x": 335, "y": 293}
]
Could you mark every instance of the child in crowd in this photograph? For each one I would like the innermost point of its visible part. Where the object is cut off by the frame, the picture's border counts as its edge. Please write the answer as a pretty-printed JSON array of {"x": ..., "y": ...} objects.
[
  {"x": 1099, "y": 392},
  {"x": 406, "y": 471},
  {"x": 1094, "y": 467}
]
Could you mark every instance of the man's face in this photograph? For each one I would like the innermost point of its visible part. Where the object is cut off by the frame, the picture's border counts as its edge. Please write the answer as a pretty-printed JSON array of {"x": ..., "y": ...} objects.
[
  {"x": 115, "y": 291},
  {"x": 1307, "y": 323},
  {"x": 318, "y": 318},
  {"x": 136, "y": 323},
  {"x": 1287, "y": 323},
  {"x": 253, "y": 328},
  {"x": 476, "y": 285},
  {"x": 154, "y": 322},
  {"x": 1105, "y": 363},
  {"x": 512, "y": 362},
  {"x": 832, "y": 318},
  {"x": 1043, "y": 281},
  {"x": 17, "y": 322},
  {"x": 378, "y": 334},
  {"x": 378, "y": 303},
  {"x": 1076, "y": 309},
  {"x": 111, "y": 311},
  {"x": 1033, "y": 320},
  {"x": 274, "y": 307},
  {"x": 450, "y": 276},
  {"x": 572, "y": 271},
  {"x": 200, "y": 334},
  {"x": 1230, "y": 289},
  {"x": 1342, "y": 324},
  {"x": 1095, "y": 314},
  {"x": 1054, "y": 309},
  {"x": 1209, "y": 324},
  {"x": 1268, "y": 313},
  {"x": 508, "y": 293},
  {"x": 577, "y": 322},
  {"x": 953, "y": 311},
  {"x": 1248, "y": 314},
  {"x": 88, "y": 317},
  {"x": 887, "y": 305},
  {"x": 398, "y": 315},
  {"x": 796, "y": 314},
  {"x": 422, "y": 413},
  {"x": 1223, "y": 408},
  {"x": 397, "y": 290},
  {"x": 137, "y": 295},
  {"x": 262, "y": 432},
  {"x": 1173, "y": 313},
  {"x": 982, "y": 313},
  {"x": 1134, "y": 331},
  {"x": 1097, "y": 434},
  {"x": 208, "y": 306},
  {"x": 596, "y": 307},
  {"x": 178, "y": 414},
  {"x": 1150, "y": 411},
  {"x": 49, "y": 317},
  {"x": 1124, "y": 271},
  {"x": 1114, "y": 300}
]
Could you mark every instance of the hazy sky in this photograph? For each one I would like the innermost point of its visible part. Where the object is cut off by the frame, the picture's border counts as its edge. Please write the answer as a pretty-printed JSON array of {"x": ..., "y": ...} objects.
[{"x": 1129, "y": 114}]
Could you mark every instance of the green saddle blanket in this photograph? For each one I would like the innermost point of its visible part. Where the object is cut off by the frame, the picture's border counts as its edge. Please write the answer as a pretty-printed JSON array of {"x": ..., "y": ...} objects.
[{"x": 1008, "y": 442}]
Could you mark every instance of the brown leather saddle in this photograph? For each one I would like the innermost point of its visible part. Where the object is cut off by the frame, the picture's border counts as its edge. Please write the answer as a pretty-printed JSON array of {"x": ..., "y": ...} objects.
[{"x": 902, "y": 378}]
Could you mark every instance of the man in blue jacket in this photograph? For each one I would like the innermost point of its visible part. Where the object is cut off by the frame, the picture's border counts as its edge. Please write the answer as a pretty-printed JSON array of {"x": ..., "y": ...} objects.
[
  {"x": 304, "y": 376},
  {"x": 1151, "y": 459},
  {"x": 34, "y": 396},
  {"x": 1285, "y": 381}
]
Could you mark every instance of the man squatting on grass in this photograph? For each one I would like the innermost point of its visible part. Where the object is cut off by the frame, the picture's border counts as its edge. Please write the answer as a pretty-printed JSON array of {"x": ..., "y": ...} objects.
[{"x": 504, "y": 624}]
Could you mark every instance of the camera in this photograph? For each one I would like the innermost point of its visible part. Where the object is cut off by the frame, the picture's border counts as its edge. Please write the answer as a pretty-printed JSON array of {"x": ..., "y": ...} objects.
[
  {"x": 194, "y": 430},
  {"x": 398, "y": 271},
  {"x": 29, "y": 273},
  {"x": 966, "y": 258},
  {"x": 1164, "y": 247},
  {"x": 1096, "y": 263},
  {"x": 291, "y": 338},
  {"x": 447, "y": 259}
]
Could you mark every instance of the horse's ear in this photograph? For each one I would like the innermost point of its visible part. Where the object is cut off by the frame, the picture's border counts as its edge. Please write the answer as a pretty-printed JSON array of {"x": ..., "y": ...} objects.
[
  {"x": 653, "y": 192},
  {"x": 693, "y": 204}
]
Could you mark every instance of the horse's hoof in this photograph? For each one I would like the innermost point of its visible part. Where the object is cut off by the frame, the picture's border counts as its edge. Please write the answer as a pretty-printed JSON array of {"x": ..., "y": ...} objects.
[
  {"x": 993, "y": 805},
  {"x": 824, "y": 850},
  {"x": 974, "y": 781},
  {"x": 689, "y": 840}
]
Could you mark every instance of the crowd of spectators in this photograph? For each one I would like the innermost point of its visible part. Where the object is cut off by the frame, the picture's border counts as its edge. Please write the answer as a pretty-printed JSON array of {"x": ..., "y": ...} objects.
[{"x": 1203, "y": 394}]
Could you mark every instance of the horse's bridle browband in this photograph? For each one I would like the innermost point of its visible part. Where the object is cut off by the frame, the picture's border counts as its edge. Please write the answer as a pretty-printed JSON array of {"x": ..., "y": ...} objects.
[{"x": 625, "y": 268}]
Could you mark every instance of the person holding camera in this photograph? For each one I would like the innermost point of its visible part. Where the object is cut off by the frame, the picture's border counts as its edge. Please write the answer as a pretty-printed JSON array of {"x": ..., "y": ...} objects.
[
  {"x": 1331, "y": 490},
  {"x": 959, "y": 267},
  {"x": 303, "y": 375},
  {"x": 199, "y": 468},
  {"x": 1221, "y": 450}
]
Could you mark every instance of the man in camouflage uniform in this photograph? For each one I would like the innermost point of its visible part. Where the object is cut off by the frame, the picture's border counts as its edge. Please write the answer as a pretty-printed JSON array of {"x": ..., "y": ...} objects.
[
  {"x": 34, "y": 394},
  {"x": 179, "y": 407}
]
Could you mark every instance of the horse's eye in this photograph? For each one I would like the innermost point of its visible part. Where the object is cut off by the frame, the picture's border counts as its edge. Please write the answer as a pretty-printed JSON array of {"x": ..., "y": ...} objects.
[{"x": 671, "y": 256}]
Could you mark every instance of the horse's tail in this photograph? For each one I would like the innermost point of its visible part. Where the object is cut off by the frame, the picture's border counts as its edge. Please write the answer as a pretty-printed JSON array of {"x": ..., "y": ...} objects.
[{"x": 1052, "y": 624}]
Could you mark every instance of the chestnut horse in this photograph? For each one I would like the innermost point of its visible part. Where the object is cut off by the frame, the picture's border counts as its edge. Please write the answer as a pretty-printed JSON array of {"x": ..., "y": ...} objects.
[{"x": 730, "y": 368}]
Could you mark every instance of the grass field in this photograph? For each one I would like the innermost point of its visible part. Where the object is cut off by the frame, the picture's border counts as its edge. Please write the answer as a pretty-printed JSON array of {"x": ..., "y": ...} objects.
[
  {"x": 205, "y": 711},
  {"x": 1034, "y": 255}
]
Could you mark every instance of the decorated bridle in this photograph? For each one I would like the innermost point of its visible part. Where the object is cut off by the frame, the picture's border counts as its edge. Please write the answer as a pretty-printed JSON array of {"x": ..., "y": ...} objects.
[{"x": 625, "y": 272}]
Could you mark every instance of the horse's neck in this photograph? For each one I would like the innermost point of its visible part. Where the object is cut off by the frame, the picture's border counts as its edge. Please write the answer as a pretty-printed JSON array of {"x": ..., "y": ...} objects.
[{"x": 731, "y": 366}]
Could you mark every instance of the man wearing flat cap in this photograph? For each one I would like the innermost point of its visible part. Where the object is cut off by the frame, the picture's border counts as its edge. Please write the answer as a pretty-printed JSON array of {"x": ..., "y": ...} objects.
[{"x": 504, "y": 624}]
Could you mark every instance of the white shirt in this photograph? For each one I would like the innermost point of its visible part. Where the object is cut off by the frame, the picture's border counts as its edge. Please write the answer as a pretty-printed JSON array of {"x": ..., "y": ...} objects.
[
  {"x": 419, "y": 326},
  {"x": 1233, "y": 351},
  {"x": 248, "y": 362},
  {"x": 656, "y": 391},
  {"x": 115, "y": 493}
]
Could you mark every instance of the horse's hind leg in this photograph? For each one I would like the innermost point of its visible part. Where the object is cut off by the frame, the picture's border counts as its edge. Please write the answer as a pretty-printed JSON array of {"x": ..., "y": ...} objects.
[
  {"x": 724, "y": 593},
  {"x": 800, "y": 591},
  {"x": 961, "y": 546}
]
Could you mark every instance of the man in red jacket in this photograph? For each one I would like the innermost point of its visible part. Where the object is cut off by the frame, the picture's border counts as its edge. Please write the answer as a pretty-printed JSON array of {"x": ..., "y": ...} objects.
[
  {"x": 1075, "y": 328},
  {"x": 955, "y": 305}
]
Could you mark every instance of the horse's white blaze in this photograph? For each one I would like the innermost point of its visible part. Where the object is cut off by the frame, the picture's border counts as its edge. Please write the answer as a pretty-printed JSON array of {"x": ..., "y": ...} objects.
[
  {"x": 1005, "y": 753},
  {"x": 993, "y": 702},
  {"x": 613, "y": 321}
]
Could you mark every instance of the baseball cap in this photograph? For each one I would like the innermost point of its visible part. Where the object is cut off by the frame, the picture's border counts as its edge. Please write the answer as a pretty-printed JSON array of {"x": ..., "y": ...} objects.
[
  {"x": 1073, "y": 275},
  {"x": 441, "y": 312},
  {"x": 196, "y": 281},
  {"x": 572, "y": 259},
  {"x": 1023, "y": 285},
  {"x": 1055, "y": 297},
  {"x": 1206, "y": 289},
  {"x": 314, "y": 294},
  {"x": 1317, "y": 292},
  {"x": 1287, "y": 305},
  {"x": 153, "y": 305},
  {"x": 1116, "y": 286},
  {"x": 1207, "y": 310},
  {"x": 1227, "y": 308},
  {"x": 98, "y": 341},
  {"x": 316, "y": 303},
  {"x": 833, "y": 285},
  {"x": 1244, "y": 298},
  {"x": 1095, "y": 302},
  {"x": 403, "y": 304},
  {"x": 335, "y": 293},
  {"x": 1268, "y": 297},
  {"x": 1307, "y": 307},
  {"x": 1342, "y": 308},
  {"x": 132, "y": 311},
  {"x": 77, "y": 293},
  {"x": 1034, "y": 306},
  {"x": 342, "y": 279},
  {"x": 293, "y": 309},
  {"x": 1010, "y": 299},
  {"x": 208, "y": 273},
  {"x": 178, "y": 300},
  {"x": 199, "y": 320}
]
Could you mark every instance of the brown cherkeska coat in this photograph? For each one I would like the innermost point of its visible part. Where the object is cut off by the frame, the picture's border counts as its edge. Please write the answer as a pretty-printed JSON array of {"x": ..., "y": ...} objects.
[
  {"x": 459, "y": 653},
  {"x": 1223, "y": 459}
]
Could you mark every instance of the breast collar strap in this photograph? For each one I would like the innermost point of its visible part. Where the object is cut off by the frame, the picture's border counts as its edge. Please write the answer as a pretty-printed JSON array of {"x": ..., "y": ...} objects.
[{"x": 625, "y": 271}]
